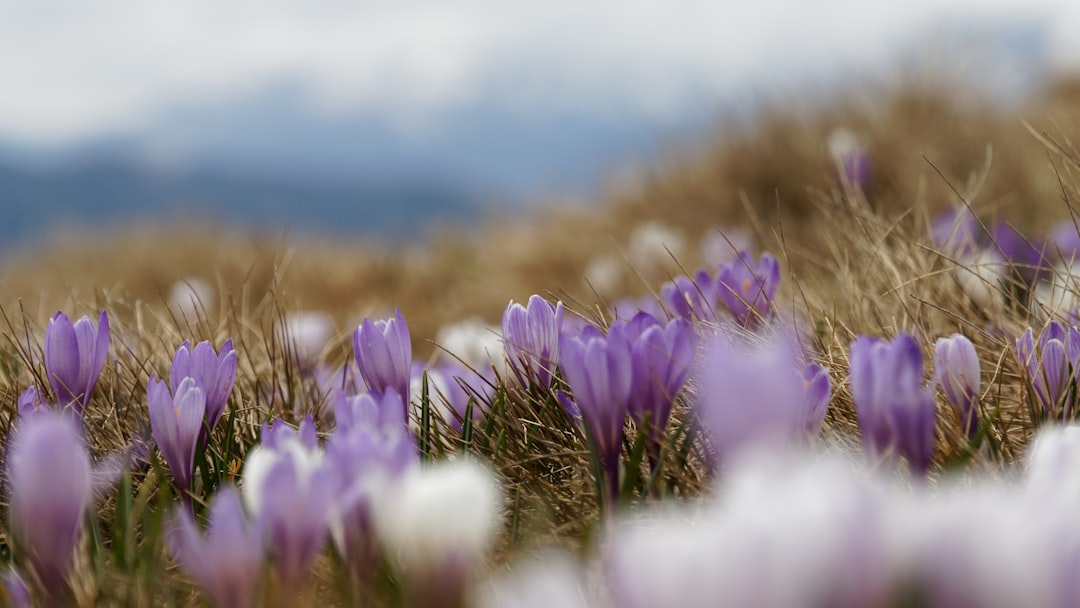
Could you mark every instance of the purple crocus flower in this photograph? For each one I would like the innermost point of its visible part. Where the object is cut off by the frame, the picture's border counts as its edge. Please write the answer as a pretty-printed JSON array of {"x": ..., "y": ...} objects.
[
  {"x": 747, "y": 289},
  {"x": 691, "y": 299},
  {"x": 626, "y": 308},
  {"x": 956, "y": 371},
  {"x": 74, "y": 357},
  {"x": 599, "y": 370},
  {"x": 852, "y": 160},
  {"x": 33, "y": 400},
  {"x": 894, "y": 409},
  {"x": 176, "y": 421},
  {"x": 214, "y": 374},
  {"x": 661, "y": 356},
  {"x": 451, "y": 386},
  {"x": 748, "y": 395},
  {"x": 1053, "y": 366},
  {"x": 956, "y": 232},
  {"x": 225, "y": 562},
  {"x": 531, "y": 340},
  {"x": 383, "y": 350},
  {"x": 371, "y": 447},
  {"x": 49, "y": 492},
  {"x": 818, "y": 391},
  {"x": 369, "y": 410},
  {"x": 1026, "y": 257},
  {"x": 277, "y": 433},
  {"x": 289, "y": 490},
  {"x": 1064, "y": 242}
]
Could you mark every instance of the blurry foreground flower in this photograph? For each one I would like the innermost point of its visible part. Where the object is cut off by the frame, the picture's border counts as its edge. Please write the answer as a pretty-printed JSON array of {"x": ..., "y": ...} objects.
[
  {"x": 439, "y": 522},
  {"x": 225, "y": 562},
  {"x": 531, "y": 340},
  {"x": 751, "y": 395},
  {"x": 550, "y": 579},
  {"x": 747, "y": 289},
  {"x": 370, "y": 450},
  {"x": 956, "y": 370},
  {"x": 288, "y": 489},
  {"x": 15, "y": 593},
  {"x": 49, "y": 492},
  {"x": 176, "y": 421},
  {"x": 895, "y": 410},
  {"x": 383, "y": 351},
  {"x": 214, "y": 374},
  {"x": 74, "y": 357}
]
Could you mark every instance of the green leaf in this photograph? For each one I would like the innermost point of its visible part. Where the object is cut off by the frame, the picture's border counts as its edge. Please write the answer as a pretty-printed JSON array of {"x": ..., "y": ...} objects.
[{"x": 633, "y": 475}]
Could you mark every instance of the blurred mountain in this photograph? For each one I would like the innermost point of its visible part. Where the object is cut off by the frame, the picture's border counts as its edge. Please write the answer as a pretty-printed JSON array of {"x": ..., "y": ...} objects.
[{"x": 33, "y": 202}]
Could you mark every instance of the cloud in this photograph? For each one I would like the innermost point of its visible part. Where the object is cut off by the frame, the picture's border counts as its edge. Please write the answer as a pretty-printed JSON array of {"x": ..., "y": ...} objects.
[{"x": 72, "y": 71}]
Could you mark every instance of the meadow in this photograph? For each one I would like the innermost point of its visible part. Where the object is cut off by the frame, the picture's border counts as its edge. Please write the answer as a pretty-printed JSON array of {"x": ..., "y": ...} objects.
[{"x": 830, "y": 359}]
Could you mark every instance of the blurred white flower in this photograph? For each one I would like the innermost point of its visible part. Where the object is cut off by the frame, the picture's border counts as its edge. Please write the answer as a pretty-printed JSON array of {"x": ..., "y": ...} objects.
[
  {"x": 308, "y": 331},
  {"x": 476, "y": 343},
  {"x": 654, "y": 246},
  {"x": 604, "y": 273},
  {"x": 550, "y": 579},
  {"x": 446, "y": 513},
  {"x": 982, "y": 276},
  {"x": 721, "y": 247},
  {"x": 191, "y": 297},
  {"x": 1060, "y": 295}
]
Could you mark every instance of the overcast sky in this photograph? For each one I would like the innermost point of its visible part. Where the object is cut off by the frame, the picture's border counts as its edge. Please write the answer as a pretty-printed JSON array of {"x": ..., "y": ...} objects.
[{"x": 71, "y": 70}]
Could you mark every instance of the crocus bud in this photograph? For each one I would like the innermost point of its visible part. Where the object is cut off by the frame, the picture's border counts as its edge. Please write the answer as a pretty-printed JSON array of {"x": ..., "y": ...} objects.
[
  {"x": 383, "y": 350},
  {"x": 176, "y": 421},
  {"x": 225, "y": 562},
  {"x": 49, "y": 492},
  {"x": 439, "y": 521},
  {"x": 747, "y": 289},
  {"x": 1051, "y": 366},
  {"x": 531, "y": 340},
  {"x": 74, "y": 357},
  {"x": 214, "y": 374},
  {"x": 599, "y": 371},
  {"x": 661, "y": 357},
  {"x": 816, "y": 398},
  {"x": 895, "y": 411},
  {"x": 956, "y": 371}
]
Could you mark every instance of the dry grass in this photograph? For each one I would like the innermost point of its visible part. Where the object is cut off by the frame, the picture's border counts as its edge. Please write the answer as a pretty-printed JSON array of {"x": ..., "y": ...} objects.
[{"x": 854, "y": 262}]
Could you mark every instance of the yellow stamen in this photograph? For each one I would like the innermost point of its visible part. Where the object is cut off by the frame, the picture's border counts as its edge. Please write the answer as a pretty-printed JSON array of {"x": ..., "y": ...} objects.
[{"x": 746, "y": 286}]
